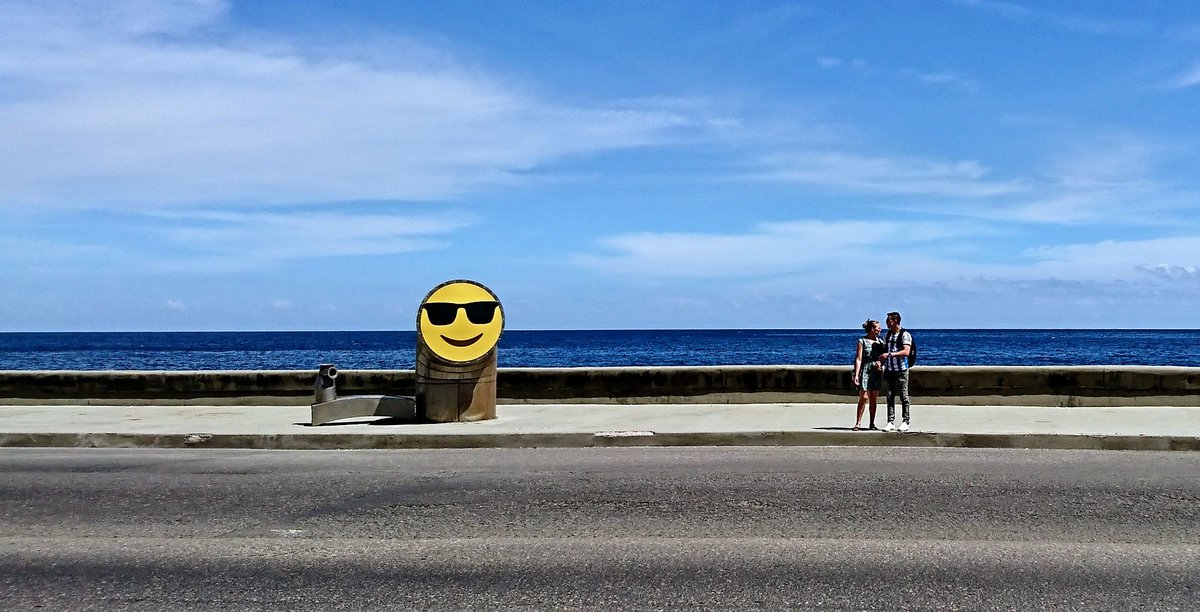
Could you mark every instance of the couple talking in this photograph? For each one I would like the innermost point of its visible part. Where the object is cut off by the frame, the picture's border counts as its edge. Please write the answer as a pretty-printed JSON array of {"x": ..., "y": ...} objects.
[{"x": 876, "y": 360}]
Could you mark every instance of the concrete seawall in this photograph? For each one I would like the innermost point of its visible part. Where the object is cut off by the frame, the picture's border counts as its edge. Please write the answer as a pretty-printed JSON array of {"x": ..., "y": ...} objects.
[{"x": 960, "y": 385}]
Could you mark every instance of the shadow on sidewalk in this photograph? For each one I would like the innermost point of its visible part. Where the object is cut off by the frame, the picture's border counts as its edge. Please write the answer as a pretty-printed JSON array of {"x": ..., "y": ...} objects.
[
  {"x": 864, "y": 429},
  {"x": 369, "y": 421}
]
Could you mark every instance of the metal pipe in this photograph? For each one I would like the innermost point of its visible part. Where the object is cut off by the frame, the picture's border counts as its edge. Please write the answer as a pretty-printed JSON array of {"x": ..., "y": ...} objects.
[{"x": 325, "y": 386}]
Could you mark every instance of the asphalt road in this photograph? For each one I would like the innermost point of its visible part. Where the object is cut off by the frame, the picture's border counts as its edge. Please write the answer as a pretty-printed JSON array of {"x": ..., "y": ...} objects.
[{"x": 612, "y": 529}]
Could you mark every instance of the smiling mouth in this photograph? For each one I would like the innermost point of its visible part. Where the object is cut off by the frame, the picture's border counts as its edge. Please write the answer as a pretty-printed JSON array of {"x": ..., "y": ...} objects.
[{"x": 462, "y": 343}]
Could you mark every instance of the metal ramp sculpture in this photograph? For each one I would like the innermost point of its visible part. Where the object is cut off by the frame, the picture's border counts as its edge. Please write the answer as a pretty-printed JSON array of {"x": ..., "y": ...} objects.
[{"x": 329, "y": 407}]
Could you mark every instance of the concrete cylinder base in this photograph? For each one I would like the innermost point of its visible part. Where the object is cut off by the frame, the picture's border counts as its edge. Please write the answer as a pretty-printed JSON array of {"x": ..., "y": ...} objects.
[{"x": 451, "y": 392}]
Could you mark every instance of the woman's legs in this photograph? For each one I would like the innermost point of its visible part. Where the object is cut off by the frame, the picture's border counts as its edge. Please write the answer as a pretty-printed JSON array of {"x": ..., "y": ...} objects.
[
  {"x": 873, "y": 397},
  {"x": 862, "y": 403}
]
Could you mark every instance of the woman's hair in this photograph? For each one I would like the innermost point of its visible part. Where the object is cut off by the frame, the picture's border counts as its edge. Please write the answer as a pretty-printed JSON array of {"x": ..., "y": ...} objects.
[{"x": 869, "y": 324}]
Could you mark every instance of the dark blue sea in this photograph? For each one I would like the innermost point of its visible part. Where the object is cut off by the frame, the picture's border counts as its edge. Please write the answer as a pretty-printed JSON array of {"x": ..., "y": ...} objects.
[{"x": 397, "y": 350}]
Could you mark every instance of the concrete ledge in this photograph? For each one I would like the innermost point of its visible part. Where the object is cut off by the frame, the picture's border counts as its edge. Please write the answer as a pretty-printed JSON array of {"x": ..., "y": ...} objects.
[
  {"x": 963, "y": 385},
  {"x": 587, "y": 440},
  {"x": 207, "y": 387}
]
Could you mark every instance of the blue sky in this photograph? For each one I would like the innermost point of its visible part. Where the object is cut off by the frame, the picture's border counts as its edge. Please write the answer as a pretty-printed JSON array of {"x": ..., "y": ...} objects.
[{"x": 216, "y": 165}]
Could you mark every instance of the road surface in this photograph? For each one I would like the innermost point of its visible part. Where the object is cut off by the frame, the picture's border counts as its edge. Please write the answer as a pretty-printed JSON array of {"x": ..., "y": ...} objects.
[{"x": 611, "y": 529}]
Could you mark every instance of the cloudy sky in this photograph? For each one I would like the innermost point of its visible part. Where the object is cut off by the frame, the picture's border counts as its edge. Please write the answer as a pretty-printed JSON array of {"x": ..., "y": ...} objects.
[{"x": 290, "y": 165}]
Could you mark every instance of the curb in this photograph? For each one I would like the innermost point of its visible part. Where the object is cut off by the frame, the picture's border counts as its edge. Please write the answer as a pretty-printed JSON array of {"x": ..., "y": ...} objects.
[{"x": 601, "y": 439}]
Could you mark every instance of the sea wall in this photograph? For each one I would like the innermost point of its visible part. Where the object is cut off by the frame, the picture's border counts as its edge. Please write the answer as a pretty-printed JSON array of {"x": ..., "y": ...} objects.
[{"x": 961, "y": 385}]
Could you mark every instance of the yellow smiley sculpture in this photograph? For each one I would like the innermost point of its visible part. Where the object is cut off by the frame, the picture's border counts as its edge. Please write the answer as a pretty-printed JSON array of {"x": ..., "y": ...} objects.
[{"x": 460, "y": 321}]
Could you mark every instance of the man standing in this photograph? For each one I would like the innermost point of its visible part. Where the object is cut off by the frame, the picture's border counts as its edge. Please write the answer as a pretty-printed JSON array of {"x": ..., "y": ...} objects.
[{"x": 895, "y": 370}]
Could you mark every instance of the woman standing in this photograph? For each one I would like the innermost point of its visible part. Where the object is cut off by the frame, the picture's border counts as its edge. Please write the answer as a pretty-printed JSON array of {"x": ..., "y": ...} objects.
[{"x": 868, "y": 375}]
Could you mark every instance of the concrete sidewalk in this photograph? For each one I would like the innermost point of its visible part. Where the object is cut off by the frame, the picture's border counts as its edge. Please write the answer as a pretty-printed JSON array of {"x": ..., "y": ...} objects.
[{"x": 584, "y": 425}]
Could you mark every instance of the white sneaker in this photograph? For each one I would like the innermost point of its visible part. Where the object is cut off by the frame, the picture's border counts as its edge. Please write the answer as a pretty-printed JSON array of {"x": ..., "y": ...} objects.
[
  {"x": 890, "y": 426},
  {"x": 904, "y": 426}
]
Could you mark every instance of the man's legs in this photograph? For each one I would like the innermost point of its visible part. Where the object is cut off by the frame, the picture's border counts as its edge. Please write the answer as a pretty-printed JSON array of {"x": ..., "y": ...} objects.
[
  {"x": 902, "y": 382},
  {"x": 891, "y": 378}
]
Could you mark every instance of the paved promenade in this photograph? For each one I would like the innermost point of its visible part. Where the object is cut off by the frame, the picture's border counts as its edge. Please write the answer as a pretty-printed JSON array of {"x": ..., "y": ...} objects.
[{"x": 583, "y": 425}]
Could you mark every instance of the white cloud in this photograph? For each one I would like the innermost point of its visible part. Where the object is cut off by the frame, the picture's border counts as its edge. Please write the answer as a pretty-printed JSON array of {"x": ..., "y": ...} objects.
[
  {"x": 1131, "y": 260},
  {"x": 831, "y": 258},
  {"x": 1169, "y": 271},
  {"x": 814, "y": 274},
  {"x": 858, "y": 64},
  {"x": 225, "y": 241},
  {"x": 176, "y": 305},
  {"x": 132, "y": 106},
  {"x": 1099, "y": 179},
  {"x": 61, "y": 20},
  {"x": 1107, "y": 179},
  {"x": 1190, "y": 78},
  {"x": 1185, "y": 31},
  {"x": 770, "y": 249},
  {"x": 945, "y": 78},
  {"x": 925, "y": 77},
  {"x": 965, "y": 179},
  {"x": 1072, "y": 22},
  {"x": 756, "y": 24}
]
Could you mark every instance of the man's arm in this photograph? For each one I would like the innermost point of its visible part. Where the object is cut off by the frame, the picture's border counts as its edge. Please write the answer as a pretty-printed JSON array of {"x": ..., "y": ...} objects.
[{"x": 902, "y": 352}]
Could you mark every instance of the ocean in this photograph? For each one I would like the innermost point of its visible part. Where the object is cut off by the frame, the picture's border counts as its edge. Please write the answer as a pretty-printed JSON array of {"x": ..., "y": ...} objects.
[{"x": 397, "y": 350}]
